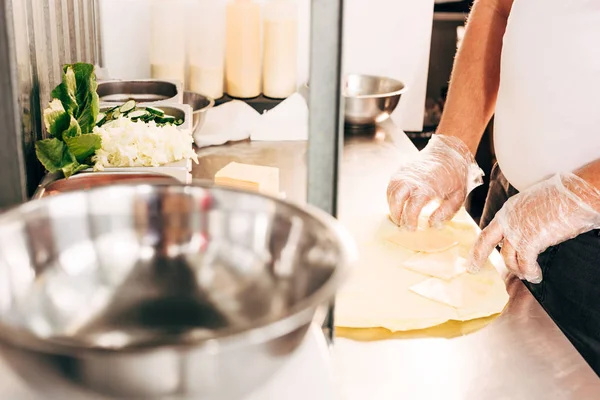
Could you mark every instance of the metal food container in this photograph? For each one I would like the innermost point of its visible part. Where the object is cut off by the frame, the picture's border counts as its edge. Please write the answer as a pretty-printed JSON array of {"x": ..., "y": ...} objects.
[
  {"x": 54, "y": 184},
  {"x": 179, "y": 111},
  {"x": 163, "y": 291},
  {"x": 142, "y": 91},
  {"x": 181, "y": 170}
]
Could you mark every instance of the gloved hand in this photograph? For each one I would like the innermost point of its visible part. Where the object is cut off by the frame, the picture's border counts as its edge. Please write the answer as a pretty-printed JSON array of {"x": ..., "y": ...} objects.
[
  {"x": 544, "y": 215},
  {"x": 445, "y": 170}
]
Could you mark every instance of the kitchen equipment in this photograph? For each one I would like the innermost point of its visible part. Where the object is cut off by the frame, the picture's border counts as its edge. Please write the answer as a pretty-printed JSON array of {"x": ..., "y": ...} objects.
[
  {"x": 53, "y": 184},
  {"x": 370, "y": 99},
  {"x": 280, "y": 48},
  {"x": 294, "y": 381},
  {"x": 200, "y": 105},
  {"x": 156, "y": 291},
  {"x": 143, "y": 90},
  {"x": 206, "y": 47},
  {"x": 167, "y": 39},
  {"x": 242, "y": 49}
]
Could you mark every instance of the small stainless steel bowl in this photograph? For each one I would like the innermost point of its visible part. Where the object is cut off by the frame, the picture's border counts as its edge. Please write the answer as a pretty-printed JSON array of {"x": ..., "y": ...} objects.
[
  {"x": 162, "y": 291},
  {"x": 370, "y": 99},
  {"x": 200, "y": 105},
  {"x": 142, "y": 91}
]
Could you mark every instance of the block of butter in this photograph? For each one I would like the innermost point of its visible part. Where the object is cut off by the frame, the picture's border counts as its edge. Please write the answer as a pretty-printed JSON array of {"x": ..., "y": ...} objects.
[{"x": 256, "y": 178}]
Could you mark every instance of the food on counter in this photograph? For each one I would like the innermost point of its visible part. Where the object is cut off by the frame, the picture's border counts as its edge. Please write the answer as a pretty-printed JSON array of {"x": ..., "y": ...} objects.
[
  {"x": 429, "y": 240},
  {"x": 242, "y": 49},
  {"x": 167, "y": 39},
  {"x": 256, "y": 178},
  {"x": 444, "y": 265},
  {"x": 280, "y": 48},
  {"x": 69, "y": 120},
  {"x": 460, "y": 292},
  {"x": 206, "y": 24},
  {"x": 382, "y": 292},
  {"x": 122, "y": 136},
  {"x": 131, "y": 111},
  {"x": 129, "y": 143}
]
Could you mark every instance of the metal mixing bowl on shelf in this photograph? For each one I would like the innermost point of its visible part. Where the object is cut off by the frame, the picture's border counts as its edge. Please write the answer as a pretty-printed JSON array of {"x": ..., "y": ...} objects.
[
  {"x": 200, "y": 105},
  {"x": 140, "y": 90},
  {"x": 162, "y": 291},
  {"x": 370, "y": 99}
]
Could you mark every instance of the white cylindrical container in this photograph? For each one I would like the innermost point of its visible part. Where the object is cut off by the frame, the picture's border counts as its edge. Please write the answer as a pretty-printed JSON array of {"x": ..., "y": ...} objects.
[
  {"x": 206, "y": 47},
  {"x": 280, "y": 48},
  {"x": 242, "y": 55},
  {"x": 167, "y": 44}
]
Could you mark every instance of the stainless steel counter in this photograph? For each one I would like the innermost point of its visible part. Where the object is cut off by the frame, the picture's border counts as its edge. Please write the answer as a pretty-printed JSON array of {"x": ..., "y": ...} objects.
[{"x": 520, "y": 355}]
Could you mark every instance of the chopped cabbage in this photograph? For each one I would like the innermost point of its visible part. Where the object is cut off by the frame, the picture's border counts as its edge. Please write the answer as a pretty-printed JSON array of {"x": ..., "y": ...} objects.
[{"x": 139, "y": 144}]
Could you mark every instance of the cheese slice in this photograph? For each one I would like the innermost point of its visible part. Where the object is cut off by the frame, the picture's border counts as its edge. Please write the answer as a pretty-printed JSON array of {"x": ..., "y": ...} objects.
[
  {"x": 249, "y": 177},
  {"x": 429, "y": 240},
  {"x": 444, "y": 265},
  {"x": 460, "y": 292}
]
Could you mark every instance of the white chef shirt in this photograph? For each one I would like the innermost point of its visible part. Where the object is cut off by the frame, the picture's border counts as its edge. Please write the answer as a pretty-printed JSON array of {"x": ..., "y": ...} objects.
[{"x": 548, "y": 109}]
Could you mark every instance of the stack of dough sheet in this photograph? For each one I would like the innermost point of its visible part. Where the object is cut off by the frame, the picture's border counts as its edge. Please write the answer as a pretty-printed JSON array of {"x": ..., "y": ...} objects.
[
  {"x": 415, "y": 280},
  {"x": 256, "y": 178}
]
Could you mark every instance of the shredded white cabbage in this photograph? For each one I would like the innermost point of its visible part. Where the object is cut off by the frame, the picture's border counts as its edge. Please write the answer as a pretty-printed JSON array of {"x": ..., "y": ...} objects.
[{"x": 139, "y": 144}]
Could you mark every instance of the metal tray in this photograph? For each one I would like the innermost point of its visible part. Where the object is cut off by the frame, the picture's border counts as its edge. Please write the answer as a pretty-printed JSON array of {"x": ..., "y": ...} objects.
[
  {"x": 180, "y": 170},
  {"x": 177, "y": 110},
  {"x": 140, "y": 90},
  {"x": 54, "y": 184}
]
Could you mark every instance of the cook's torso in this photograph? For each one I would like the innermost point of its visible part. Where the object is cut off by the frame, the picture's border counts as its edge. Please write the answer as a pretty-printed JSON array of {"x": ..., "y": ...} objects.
[{"x": 548, "y": 109}]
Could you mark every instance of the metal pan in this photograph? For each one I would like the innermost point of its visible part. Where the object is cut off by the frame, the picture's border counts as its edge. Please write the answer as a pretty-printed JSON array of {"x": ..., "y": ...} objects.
[
  {"x": 54, "y": 184},
  {"x": 140, "y": 90}
]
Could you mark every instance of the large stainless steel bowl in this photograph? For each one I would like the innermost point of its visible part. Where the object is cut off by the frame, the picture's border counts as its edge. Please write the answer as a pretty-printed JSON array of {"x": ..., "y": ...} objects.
[
  {"x": 145, "y": 291},
  {"x": 370, "y": 99}
]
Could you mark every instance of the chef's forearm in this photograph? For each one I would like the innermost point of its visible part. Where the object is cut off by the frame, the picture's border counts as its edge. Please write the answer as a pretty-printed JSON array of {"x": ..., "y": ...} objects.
[{"x": 476, "y": 73}]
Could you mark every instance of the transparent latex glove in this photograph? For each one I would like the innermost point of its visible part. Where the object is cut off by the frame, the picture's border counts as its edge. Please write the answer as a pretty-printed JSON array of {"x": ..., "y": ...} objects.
[
  {"x": 445, "y": 170},
  {"x": 544, "y": 215}
]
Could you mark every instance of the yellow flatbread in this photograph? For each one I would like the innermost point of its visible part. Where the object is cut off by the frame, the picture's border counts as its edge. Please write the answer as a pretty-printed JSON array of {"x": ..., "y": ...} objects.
[
  {"x": 429, "y": 240},
  {"x": 457, "y": 293},
  {"x": 444, "y": 265},
  {"x": 378, "y": 295}
]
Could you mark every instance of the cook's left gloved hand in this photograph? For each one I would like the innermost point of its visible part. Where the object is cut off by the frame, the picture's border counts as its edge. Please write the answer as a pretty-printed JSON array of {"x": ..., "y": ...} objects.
[{"x": 546, "y": 214}]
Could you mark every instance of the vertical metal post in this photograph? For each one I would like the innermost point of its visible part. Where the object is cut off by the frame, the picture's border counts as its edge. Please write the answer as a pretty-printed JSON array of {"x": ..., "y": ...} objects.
[
  {"x": 13, "y": 183},
  {"x": 325, "y": 116},
  {"x": 98, "y": 48}
]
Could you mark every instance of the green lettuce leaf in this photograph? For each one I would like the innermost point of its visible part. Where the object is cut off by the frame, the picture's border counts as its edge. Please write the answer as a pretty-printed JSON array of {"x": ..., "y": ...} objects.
[
  {"x": 70, "y": 119},
  {"x": 73, "y": 168},
  {"x": 87, "y": 97},
  {"x": 72, "y": 131},
  {"x": 77, "y": 93},
  {"x": 83, "y": 146},
  {"x": 55, "y": 156},
  {"x": 56, "y": 118},
  {"x": 65, "y": 92}
]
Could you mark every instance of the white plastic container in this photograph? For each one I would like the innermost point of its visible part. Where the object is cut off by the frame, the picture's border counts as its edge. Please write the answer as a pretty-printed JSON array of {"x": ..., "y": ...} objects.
[
  {"x": 280, "y": 48},
  {"x": 167, "y": 44},
  {"x": 243, "y": 45},
  {"x": 206, "y": 47}
]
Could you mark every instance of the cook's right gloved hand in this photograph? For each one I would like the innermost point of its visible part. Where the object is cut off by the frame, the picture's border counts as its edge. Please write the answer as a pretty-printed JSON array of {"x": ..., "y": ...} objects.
[{"x": 445, "y": 170}]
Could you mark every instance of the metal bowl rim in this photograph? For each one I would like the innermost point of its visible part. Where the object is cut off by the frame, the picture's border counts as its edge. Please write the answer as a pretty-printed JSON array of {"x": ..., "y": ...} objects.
[
  {"x": 265, "y": 329},
  {"x": 398, "y": 92},
  {"x": 401, "y": 91},
  {"x": 211, "y": 102}
]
